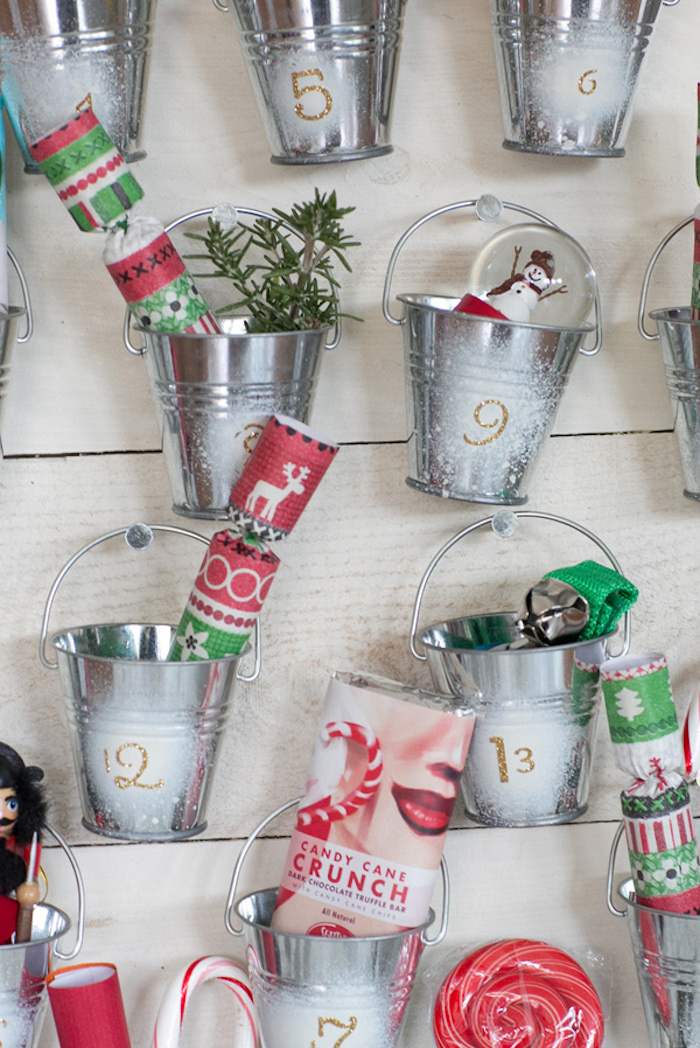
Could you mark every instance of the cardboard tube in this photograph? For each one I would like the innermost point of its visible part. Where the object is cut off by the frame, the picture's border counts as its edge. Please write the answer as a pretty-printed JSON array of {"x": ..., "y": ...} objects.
[{"x": 87, "y": 1007}]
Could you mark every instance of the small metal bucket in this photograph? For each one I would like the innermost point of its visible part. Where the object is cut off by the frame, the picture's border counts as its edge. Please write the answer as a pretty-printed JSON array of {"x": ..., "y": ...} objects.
[
  {"x": 567, "y": 71},
  {"x": 666, "y": 948},
  {"x": 530, "y": 757},
  {"x": 323, "y": 75},
  {"x": 214, "y": 394},
  {"x": 481, "y": 393},
  {"x": 54, "y": 53},
  {"x": 25, "y": 966},
  {"x": 307, "y": 986},
  {"x": 144, "y": 731},
  {"x": 679, "y": 336}
]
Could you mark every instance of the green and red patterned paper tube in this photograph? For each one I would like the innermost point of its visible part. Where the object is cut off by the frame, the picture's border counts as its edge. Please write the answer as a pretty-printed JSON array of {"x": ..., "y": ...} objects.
[
  {"x": 87, "y": 171},
  {"x": 226, "y": 599},
  {"x": 285, "y": 468},
  {"x": 153, "y": 279}
]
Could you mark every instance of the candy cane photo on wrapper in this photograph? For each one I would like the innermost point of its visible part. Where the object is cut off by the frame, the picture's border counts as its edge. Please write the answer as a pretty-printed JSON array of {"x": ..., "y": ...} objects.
[
  {"x": 242, "y": 1032},
  {"x": 357, "y": 798}
]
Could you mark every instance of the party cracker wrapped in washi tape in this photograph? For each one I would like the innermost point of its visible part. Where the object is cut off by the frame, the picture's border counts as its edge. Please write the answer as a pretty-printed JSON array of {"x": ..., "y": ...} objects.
[
  {"x": 228, "y": 594},
  {"x": 87, "y": 171},
  {"x": 153, "y": 279}
]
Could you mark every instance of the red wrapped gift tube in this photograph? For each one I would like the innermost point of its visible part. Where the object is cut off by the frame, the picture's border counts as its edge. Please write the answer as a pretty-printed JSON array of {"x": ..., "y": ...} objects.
[
  {"x": 87, "y": 1007},
  {"x": 228, "y": 594},
  {"x": 87, "y": 171},
  {"x": 285, "y": 468}
]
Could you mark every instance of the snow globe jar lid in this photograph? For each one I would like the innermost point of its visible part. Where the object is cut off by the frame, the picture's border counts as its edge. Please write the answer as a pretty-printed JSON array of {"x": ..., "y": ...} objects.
[{"x": 534, "y": 273}]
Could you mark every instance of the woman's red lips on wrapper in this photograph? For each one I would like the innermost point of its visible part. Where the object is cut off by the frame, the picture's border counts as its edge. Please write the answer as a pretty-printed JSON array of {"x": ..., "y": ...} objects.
[{"x": 425, "y": 812}]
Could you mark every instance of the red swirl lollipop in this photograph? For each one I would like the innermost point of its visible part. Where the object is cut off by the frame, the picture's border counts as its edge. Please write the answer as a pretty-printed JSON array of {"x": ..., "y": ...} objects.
[{"x": 517, "y": 993}]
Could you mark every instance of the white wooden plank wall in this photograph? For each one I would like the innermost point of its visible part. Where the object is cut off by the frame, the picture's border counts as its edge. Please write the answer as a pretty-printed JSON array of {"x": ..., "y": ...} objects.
[{"x": 81, "y": 457}]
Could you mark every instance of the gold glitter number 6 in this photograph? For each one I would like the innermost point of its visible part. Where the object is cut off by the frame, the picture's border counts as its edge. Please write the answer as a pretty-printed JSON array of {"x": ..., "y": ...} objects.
[
  {"x": 582, "y": 79},
  {"x": 121, "y": 780},
  {"x": 299, "y": 92},
  {"x": 349, "y": 1026},
  {"x": 488, "y": 425}
]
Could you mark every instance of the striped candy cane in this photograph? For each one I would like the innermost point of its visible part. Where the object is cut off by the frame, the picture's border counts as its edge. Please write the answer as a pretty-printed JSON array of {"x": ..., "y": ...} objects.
[
  {"x": 517, "y": 986},
  {"x": 691, "y": 739},
  {"x": 358, "y": 797},
  {"x": 178, "y": 994}
]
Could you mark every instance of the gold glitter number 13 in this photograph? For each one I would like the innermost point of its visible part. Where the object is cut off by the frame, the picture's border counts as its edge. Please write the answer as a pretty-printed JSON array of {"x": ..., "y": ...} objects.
[
  {"x": 525, "y": 759},
  {"x": 349, "y": 1026},
  {"x": 299, "y": 92}
]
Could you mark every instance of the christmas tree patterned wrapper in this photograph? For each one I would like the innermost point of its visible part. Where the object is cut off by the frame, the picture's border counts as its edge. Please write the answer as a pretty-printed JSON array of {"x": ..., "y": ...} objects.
[
  {"x": 642, "y": 718},
  {"x": 287, "y": 465},
  {"x": 87, "y": 171},
  {"x": 372, "y": 824},
  {"x": 153, "y": 279},
  {"x": 228, "y": 594},
  {"x": 662, "y": 848}
]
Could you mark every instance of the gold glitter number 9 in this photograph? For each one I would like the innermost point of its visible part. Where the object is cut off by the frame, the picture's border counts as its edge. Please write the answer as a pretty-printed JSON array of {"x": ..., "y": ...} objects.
[
  {"x": 582, "y": 80},
  {"x": 121, "y": 780},
  {"x": 299, "y": 92},
  {"x": 526, "y": 758},
  {"x": 349, "y": 1026},
  {"x": 501, "y": 423}
]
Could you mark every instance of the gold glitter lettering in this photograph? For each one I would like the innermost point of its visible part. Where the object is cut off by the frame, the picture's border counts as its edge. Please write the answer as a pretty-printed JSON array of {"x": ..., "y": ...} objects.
[
  {"x": 299, "y": 92},
  {"x": 488, "y": 425},
  {"x": 527, "y": 760},
  {"x": 349, "y": 1026},
  {"x": 582, "y": 79},
  {"x": 3, "y": 1022},
  {"x": 107, "y": 766},
  {"x": 122, "y": 781},
  {"x": 500, "y": 757},
  {"x": 253, "y": 436}
]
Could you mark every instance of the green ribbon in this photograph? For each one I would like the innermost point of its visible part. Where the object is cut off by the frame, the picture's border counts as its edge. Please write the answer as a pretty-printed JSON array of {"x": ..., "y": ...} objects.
[{"x": 608, "y": 593}]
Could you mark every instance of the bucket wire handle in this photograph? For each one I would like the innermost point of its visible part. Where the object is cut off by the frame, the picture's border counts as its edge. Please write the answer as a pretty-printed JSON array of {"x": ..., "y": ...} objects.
[
  {"x": 224, "y": 7},
  {"x": 142, "y": 539},
  {"x": 81, "y": 897},
  {"x": 611, "y": 873},
  {"x": 648, "y": 335},
  {"x": 29, "y": 322},
  {"x": 492, "y": 209},
  {"x": 248, "y": 844},
  {"x": 201, "y": 213},
  {"x": 421, "y": 656}
]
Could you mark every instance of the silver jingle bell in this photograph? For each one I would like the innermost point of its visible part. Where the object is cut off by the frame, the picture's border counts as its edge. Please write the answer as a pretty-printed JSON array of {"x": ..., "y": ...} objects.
[{"x": 554, "y": 612}]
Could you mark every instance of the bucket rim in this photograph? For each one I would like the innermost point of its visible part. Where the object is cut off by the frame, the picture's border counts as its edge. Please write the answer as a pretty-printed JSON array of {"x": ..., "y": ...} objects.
[
  {"x": 625, "y": 890},
  {"x": 44, "y": 938},
  {"x": 408, "y": 300},
  {"x": 194, "y": 336},
  {"x": 124, "y": 660},
  {"x": 388, "y": 936},
  {"x": 665, "y": 315},
  {"x": 534, "y": 651}
]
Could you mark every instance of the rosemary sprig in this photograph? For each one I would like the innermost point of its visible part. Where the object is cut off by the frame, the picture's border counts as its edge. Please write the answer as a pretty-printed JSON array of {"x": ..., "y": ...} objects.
[{"x": 289, "y": 285}]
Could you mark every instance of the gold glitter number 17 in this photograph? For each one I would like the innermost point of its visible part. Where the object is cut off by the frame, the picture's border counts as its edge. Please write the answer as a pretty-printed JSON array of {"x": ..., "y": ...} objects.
[
  {"x": 525, "y": 759},
  {"x": 349, "y": 1026},
  {"x": 299, "y": 92}
]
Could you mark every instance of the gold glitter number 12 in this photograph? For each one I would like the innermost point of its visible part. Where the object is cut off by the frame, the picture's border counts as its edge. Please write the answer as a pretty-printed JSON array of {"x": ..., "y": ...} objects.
[
  {"x": 525, "y": 759},
  {"x": 122, "y": 781},
  {"x": 299, "y": 92},
  {"x": 349, "y": 1026}
]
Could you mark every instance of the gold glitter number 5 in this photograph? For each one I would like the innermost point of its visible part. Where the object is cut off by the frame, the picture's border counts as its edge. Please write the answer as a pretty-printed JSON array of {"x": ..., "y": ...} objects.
[
  {"x": 526, "y": 758},
  {"x": 299, "y": 92},
  {"x": 582, "y": 80},
  {"x": 349, "y": 1026},
  {"x": 488, "y": 425},
  {"x": 121, "y": 780}
]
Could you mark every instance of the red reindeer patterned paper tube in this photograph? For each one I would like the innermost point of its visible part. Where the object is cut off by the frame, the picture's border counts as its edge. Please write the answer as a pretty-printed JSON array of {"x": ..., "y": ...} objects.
[
  {"x": 153, "y": 280},
  {"x": 285, "y": 468},
  {"x": 229, "y": 592},
  {"x": 87, "y": 1007},
  {"x": 87, "y": 171},
  {"x": 373, "y": 821}
]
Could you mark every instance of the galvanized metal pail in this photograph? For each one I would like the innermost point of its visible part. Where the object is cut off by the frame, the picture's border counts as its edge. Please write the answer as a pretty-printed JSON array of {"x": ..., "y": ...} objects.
[
  {"x": 666, "y": 949},
  {"x": 567, "y": 71},
  {"x": 481, "y": 393},
  {"x": 323, "y": 74},
  {"x": 214, "y": 394},
  {"x": 530, "y": 757},
  {"x": 24, "y": 967},
  {"x": 144, "y": 731},
  {"x": 307, "y": 986},
  {"x": 54, "y": 53},
  {"x": 679, "y": 336}
]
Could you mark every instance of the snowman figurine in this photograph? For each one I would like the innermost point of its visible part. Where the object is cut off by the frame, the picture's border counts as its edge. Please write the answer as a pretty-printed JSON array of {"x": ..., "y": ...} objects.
[{"x": 517, "y": 296}]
